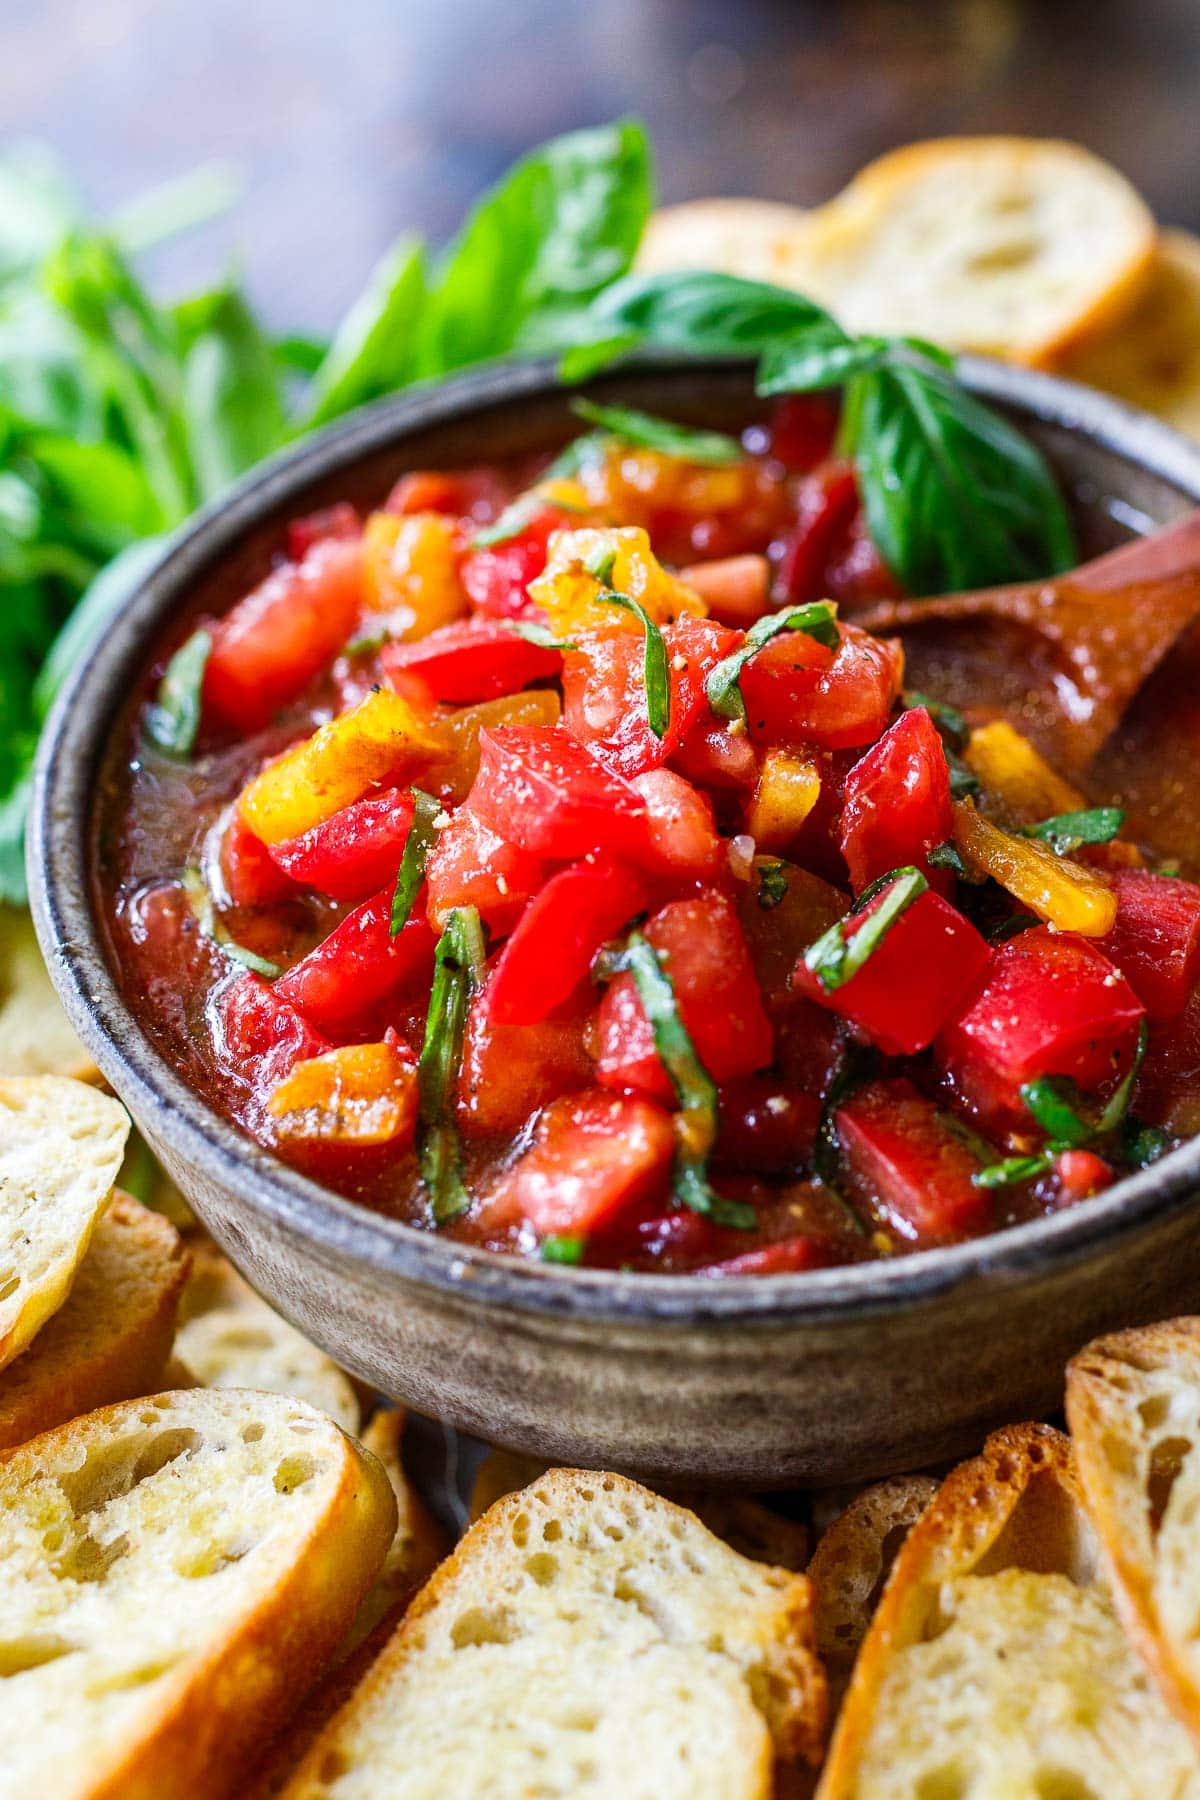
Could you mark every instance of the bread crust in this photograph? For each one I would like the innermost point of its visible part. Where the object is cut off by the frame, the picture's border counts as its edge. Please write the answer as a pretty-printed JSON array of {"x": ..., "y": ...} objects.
[
  {"x": 1151, "y": 358},
  {"x": 1107, "y": 1390}
]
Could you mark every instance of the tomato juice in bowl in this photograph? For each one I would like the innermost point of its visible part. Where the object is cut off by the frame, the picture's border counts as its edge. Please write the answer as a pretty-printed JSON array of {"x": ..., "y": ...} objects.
[{"x": 159, "y": 865}]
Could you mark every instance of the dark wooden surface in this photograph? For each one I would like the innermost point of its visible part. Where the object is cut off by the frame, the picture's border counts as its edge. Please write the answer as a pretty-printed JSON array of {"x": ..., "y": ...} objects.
[{"x": 353, "y": 119}]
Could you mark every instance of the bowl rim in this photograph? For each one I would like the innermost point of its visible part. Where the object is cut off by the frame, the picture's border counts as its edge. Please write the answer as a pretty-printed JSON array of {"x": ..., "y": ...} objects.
[{"x": 61, "y": 899}]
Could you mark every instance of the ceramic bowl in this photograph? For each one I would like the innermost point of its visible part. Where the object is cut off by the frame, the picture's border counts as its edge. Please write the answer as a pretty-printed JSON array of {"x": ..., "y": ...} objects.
[{"x": 792, "y": 1379}]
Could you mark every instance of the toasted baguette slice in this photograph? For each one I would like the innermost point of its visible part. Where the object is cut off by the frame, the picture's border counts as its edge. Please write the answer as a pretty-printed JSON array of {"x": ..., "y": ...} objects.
[
  {"x": 852, "y": 1562},
  {"x": 1133, "y": 1403},
  {"x": 750, "y": 238},
  {"x": 1152, "y": 358},
  {"x": 231, "y": 1338},
  {"x": 996, "y": 1664},
  {"x": 173, "y": 1573},
  {"x": 1017, "y": 247},
  {"x": 419, "y": 1544},
  {"x": 35, "y": 1036},
  {"x": 585, "y": 1637},
  {"x": 111, "y": 1338},
  {"x": 61, "y": 1144}
]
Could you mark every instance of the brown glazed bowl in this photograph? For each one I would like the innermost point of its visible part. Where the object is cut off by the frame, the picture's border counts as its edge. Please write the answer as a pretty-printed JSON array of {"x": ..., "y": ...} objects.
[{"x": 790, "y": 1379}]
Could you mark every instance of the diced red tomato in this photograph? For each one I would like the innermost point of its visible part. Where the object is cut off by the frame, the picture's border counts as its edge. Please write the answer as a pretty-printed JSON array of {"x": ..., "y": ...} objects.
[
  {"x": 915, "y": 979},
  {"x": 826, "y": 502},
  {"x": 683, "y": 841},
  {"x": 1156, "y": 940},
  {"x": 471, "y": 865},
  {"x": 788, "y": 1256},
  {"x": 248, "y": 870},
  {"x": 510, "y": 1071},
  {"x": 267, "y": 650},
  {"x": 801, "y": 430},
  {"x": 855, "y": 572},
  {"x": 463, "y": 493},
  {"x": 592, "y": 1155},
  {"x": 704, "y": 953},
  {"x": 604, "y": 690},
  {"x": 1168, "y": 1085},
  {"x": 767, "y": 1127},
  {"x": 496, "y": 577},
  {"x": 717, "y": 756},
  {"x": 342, "y": 981},
  {"x": 259, "y": 1033},
  {"x": 792, "y": 696},
  {"x": 1051, "y": 1004},
  {"x": 905, "y": 1164},
  {"x": 558, "y": 934},
  {"x": 337, "y": 521},
  {"x": 353, "y": 852},
  {"x": 541, "y": 789},
  {"x": 475, "y": 659},
  {"x": 1081, "y": 1173},
  {"x": 896, "y": 804}
]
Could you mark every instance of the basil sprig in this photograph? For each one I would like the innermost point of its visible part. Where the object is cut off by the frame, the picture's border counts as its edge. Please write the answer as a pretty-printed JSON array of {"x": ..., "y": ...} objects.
[
  {"x": 955, "y": 496},
  {"x": 837, "y": 957},
  {"x": 723, "y": 686},
  {"x": 694, "y": 1087},
  {"x": 655, "y": 672},
  {"x": 458, "y": 970},
  {"x": 1065, "y": 832},
  {"x": 422, "y": 835},
  {"x": 211, "y": 926},
  {"x": 1065, "y": 1128},
  {"x": 647, "y": 432},
  {"x": 174, "y": 719}
]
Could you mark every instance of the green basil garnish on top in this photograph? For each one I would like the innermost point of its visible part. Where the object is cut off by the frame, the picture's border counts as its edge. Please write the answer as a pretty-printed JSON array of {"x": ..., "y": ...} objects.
[
  {"x": 457, "y": 972},
  {"x": 174, "y": 720},
  {"x": 417, "y": 845},
  {"x": 213, "y": 928},
  {"x": 723, "y": 686},
  {"x": 1065, "y": 1128},
  {"x": 656, "y": 674},
  {"x": 567, "y": 1248},
  {"x": 646, "y": 432},
  {"x": 772, "y": 884},
  {"x": 1065, "y": 832},
  {"x": 837, "y": 957}
]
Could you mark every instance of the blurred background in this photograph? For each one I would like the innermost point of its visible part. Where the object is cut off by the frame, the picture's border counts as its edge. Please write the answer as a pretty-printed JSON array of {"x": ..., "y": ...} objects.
[{"x": 350, "y": 121}]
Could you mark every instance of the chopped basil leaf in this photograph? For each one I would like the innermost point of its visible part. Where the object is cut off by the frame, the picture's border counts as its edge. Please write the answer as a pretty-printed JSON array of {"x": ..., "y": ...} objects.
[
  {"x": 948, "y": 720},
  {"x": 519, "y": 514},
  {"x": 694, "y": 1088},
  {"x": 458, "y": 970},
  {"x": 1143, "y": 1145},
  {"x": 1010, "y": 926},
  {"x": 964, "y": 783},
  {"x": 1057, "y": 1117},
  {"x": 1012, "y": 1170},
  {"x": 1118, "y": 1106},
  {"x": 417, "y": 845},
  {"x": 174, "y": 719},
  {"x": 946, "y": 856},
  {"x": 201, "y": 902},
  {"x": 837, "y": 958},
  {"x": 646, "y": 432},
  {"x": 654, "y": 666},
  {"x": 1065, "y": 832},
  {"x": 566, "y": 1249},
  {"x": 541, "y": 635},
  {"x": 601, "y": 558},
  {"x": 772, "y": 884},
  {"x": 723, "y": 687},
  {"x": 857, "y": 1065}
]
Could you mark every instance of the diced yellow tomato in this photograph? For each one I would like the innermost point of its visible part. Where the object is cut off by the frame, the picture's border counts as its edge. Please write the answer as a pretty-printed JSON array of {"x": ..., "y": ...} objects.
[
  {"x": 372, "y": 745},
  {"x": 362, "y": 1094},
  {"x": 1015, "y": 777},
  {"x": 627, "y": 483},
  {"x": 789, "y": 786},
  {"x": 411, "y": 571},
  {"x": 569, "y": 592},
  {"x": 1062, "y": 892},
  {"x": 458, "y": 734}
]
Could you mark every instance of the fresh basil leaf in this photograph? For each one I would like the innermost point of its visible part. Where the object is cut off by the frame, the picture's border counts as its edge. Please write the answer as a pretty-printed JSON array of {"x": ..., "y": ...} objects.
[
  {"x": 857, "y": 1064},
  {"x": 201, "y": 902},
  {"x": 374, "y": 348},
  {"x": 1114, "y": 1113},
  {"x": 946, "y": 856},
  {"x": 174, "y": 719},
  {"x": 176, "y": 206},
  {"x": 557, "y": 229},
  {"x": 458, "y": 970},
  {"x": 694, "y": 1088},
  {"x": 541, "y": 635},
  {"x": 299, "y": 355},
  {"x": 38, "y": 203},
  {"x": 107, "y": 593},
  {"x": 655, "y": 671},
  {"x": 232, "y": 401},
  {"x": 951, "y": 725},
  {"x": 837, "y": 956},
  {"x": 420, "y": 840},
  {"x": 723, "y": 686},
  {"x": 707, "y": 314},
  {"x": 964, "y": 783},
  {"x": 820, "y": 357},
  {"x": 14, "y": 812},
  {"x": 772, "y": 884},
  {"x": 47, "y": 378},
  {"x": 567, "y": 1249},
  {"x": 1054, "y": 1113},
  {"x": 1012, "y": 1170},
  {"x": 101, "y": 492},
  {"x": 646, "y": 432},
  {"x": 1144, "y": 1144},
  {"x": 1065, "y": 832}
]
